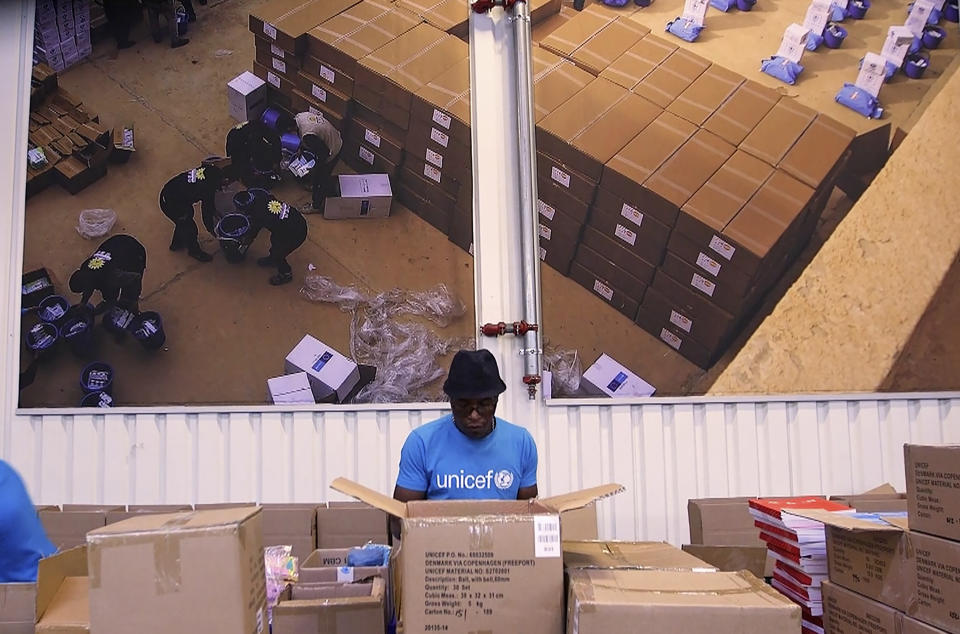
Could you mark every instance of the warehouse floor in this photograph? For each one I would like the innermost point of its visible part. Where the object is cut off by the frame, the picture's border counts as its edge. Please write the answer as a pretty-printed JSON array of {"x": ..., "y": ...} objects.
[{"x": 227, "y": 329}]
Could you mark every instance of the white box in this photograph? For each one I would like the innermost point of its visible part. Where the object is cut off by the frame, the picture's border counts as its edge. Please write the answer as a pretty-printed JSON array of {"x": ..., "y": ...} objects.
[
  {"x": 246, "y": 96},
  {"x": 329, "y": 371},
  {"x": 606, "y": 376},
  {"x": 290, "y": 388},
  {"x": 361, "y": 196}
]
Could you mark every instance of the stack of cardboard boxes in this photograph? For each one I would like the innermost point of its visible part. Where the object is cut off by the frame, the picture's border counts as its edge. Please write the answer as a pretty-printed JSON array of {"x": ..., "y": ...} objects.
[
  {"x": 722, "y": 532},
  {"x": 62, "y": 32}
]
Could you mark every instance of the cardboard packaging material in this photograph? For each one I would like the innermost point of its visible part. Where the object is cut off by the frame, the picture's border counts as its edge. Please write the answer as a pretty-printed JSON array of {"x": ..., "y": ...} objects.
[
  {"x": 285, "y": 64},
  {"x": 136, "y": 510},
  {"x": 444, "y": 103},
  {"x": 882, "y": 499},
  {"x": 507, "y": 551},
  {"x": 331, "y": 374},
  {"x": 638, "y": 61},
  {"x": 412, "y": 198},
  {"x": 330, "y": 97},
  {"x": 933, "y": 489},
  {"x": 690, "y": 313},
  {"x": 577, "y": 31},
  {"x": 290, "y": 389},
  {"x": 311, "y": 572},
  {"x": 349, "y": 524},
  {"x": 607, "y": 376},
  {"x": 303, "y": 102},
  {"x": 706, "y": 94},
  {"x": 604, "y": 289},
  {"x": 937, "y": 581},
  {"x": 580, "y": 524},
  {"x": 360, "y": 196},
  {"x": 365, "y": 159},
  {"x": 447, "y": 15},
  {"x": 68, "y": 528},
  {"x": 571, "y": 181},
  {"x": 376, "y": 136},
  {"x": 629, "y": 555},
  {"x": 18, "y": 606},
  {"x": 709, "y": 265},
  {"x": 913, "y": 626},
  {"x": 554, "y": 198},
  {"x": 692, "y": 277},
  {"x": 291, "y": 524},
  {"x": 608, "y": 44},
  {"x": 454, "y": 157},
  {"x": 280, "y": 83},
  {"x": 353, "y": 608},
  {"x": 818, "y": 150},
  {"x": 741, "y": 113},
  {"x": 286, "y": 22},
  {"x": 62, "y": 594},
  {"x": 722, "y": 521},
  {"x": 625, "y": 259},
  {"x": 649, "y": 234},
  {"x": 152, "y": 573},
  {"x": 597, "y": 264},
  {"x": 734, "y": 558},
  {"x": 692, "y": 602},
  {"x": 676, "y": 338},
  {"x": 674, "y": 75},
  {"x": 778, "y": 131},
  {"x": 555, "y": 83},
  {"x": 846, "y": 612}
]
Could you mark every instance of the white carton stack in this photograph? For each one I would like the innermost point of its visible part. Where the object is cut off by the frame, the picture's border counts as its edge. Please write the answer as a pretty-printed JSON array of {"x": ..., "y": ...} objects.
[
  {"x": 331, "y": 376},
  {"x": 62, "y": 32},
  {"x": 246, "y": 97}
]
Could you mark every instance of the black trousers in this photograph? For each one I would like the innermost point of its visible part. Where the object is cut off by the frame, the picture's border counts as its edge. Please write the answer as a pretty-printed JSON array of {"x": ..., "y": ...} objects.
[
  {"x": 285, "y": 242},
  {"x": 168, "y": 9},
  {"x": 121, "y": 16},
  {"x": 185, "y": 230},
  {"x": 321, "y": 179}
]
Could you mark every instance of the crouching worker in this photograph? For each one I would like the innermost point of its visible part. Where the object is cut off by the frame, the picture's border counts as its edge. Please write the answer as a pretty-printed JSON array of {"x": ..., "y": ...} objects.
[
  {"x": 177, "y": 199},
  {"x": 322, "y": 139},
  {"x": 288, "y": 230},
  {"x": 255, "y": 151},
  {"x": 116, "y": 270}
]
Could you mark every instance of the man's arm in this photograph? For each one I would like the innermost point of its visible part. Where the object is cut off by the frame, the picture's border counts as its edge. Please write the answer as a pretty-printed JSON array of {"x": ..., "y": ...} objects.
[
  {"x": 528, "y": 479},
  {"x": 411, "y": 479},
  {"x": 527, "y": 493}
]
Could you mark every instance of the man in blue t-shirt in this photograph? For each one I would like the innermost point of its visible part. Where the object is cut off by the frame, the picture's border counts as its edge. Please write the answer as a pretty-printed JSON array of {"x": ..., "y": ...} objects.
[
  {"x": 23, "y": 542},
  {"x": 469, "y": 453}
]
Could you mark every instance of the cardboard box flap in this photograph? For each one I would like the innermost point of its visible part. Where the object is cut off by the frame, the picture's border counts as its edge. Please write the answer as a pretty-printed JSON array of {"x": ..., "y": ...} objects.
[
  {"x": 884, "y": 489},
  {"x": 18, "y": 603},
  {"x": 69, "y": 609},
  {"x": 853, "y": 521},
  {"x": 577, "y": 499},
  {"x": 371, "y": 497},
  {"x": 184, "y": 521},
  {"x": 51, "y": 572}
]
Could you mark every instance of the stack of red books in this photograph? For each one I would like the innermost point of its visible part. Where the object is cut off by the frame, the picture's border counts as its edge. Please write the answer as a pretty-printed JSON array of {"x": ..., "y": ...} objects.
[{"x": 799, "y": 546}]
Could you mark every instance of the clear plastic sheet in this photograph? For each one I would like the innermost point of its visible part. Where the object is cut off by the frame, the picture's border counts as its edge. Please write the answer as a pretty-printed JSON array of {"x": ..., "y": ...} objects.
[
  {"x": 564, "y": 364},
  {"x": 96, "y": 223}
]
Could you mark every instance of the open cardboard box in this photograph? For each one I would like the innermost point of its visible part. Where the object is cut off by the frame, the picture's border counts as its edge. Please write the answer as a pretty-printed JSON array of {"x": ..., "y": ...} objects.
[
  {"x": 63, "y": 588},
  {"x": 505, "y": 555}
]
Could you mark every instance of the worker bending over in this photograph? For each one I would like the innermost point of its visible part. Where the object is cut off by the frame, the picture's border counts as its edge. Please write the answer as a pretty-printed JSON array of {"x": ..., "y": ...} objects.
[
  {"x": 319, "y": 136},
  {"x": 288, "y": 230},
  {"x": 177, "y": 199},
  {"x": 255, "y": 152},
  {"x": 116, "y": 270}
]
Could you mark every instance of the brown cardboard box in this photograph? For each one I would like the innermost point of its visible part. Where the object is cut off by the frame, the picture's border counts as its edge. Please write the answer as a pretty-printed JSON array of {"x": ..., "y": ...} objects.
[
  {"x": 629, "y": 555},
  {"x": 882, "y": 499},
  {"x": 461, "y": 231},
  {"x": 135, "y": 510},
  {"x": 558, "y": 259},
  {"x": 674, "y": 75},
  {"x": 673, "y": 302},
  {"x": 302, "y": 102},
  {"x": 286, "y": 22},
  {"x": 447, "y": 15},
  {"x": 646, "y": 242},
  {"x": 734, "y": 558},
  {"x": 329, "y": 75},
  {"x": 541, "y": 10},
  {"x": 62, "y": 605},
  {"x": 778, "y": 131},
  {"x": 365, "y": 159},
  {"x": 679, "y": 340},
  {"x": 622, "y": 257},
  {"x": 648, "y": 229},
  {"x": 553, "y": 197},
  {"x": 846, "y": 612},
  {"x": 691, "y": 276},
  {"x": 610, "y": 273},
  {"x": 427, "y": 190},
  {"x": 292, "y": 525},
  {"x": 454, "y": 159},
  {"x": 602, "y": 601},
  {"x": 625, "y": 173},
  {"x": 153, "y": 573},
  {"x": 264, "y": 46},
  {"x": 556, "y": 83},
  {"x": 580, "y": 524},
  {"x": 333, "y": 99},
  {"x": 376, "y": 137},
  {"x": 18, "y": 605},
  {"x": 709, "y": 263},
  {"x": 608, "y": 44},
  {"x": 283, "y": 67},
  {"x": 445, "y": 103},
  {"x": 518, "y": 553},
  {"x": 933, "y": 489},
  {"x": 348, "y": 524},
  {"x": 68, "y": 528},
  {"x": 818, "y": 150},
  {"x": 605, "y": 290},
  {"x": 707, "y": 93},
  {"x": 566, "y": 177},
  {"x": 577, "y": 31},
  {"x": 314, "y": 569},
  {"x": 741, "y": 113},
  {"x": 447, "y": 180},
  {"x": 327, "y": 558},
  {"x": 353, "y": 608},
  {"x": 382, "y": 127},
  {"x": 937, "y": 581},
  {"x": 412, "y": 199},
  {"x": 722, "y": 521},
  {"x": 593, "y": 125},
  {"x": 913, "y": 626},
  {"x": 279, "y": 82},
  {"x": 349, "y": 36},
  {"x": 560, "y": 239}
]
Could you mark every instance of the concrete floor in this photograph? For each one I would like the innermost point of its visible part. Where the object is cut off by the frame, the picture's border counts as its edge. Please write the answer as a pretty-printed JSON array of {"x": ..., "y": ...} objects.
[{"x": 227, "y": 329}]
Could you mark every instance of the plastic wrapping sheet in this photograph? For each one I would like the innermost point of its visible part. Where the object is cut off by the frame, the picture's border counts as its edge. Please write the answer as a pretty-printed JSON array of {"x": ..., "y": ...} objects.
[
  {"x": 281, "y": 569},
  {"x": 565, "y": 366},
  {"x": 96, "y": 223}
]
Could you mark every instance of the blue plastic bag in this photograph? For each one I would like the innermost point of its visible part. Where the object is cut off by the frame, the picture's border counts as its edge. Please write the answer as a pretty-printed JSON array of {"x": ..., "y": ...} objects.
[
  {"x": 860, "y": 101},
  {"x": 814, "y": 40},
  {"x": 684, "y": 29},
  {"x": 369, "y": 555},
  {"x": 723, "y": 5},
  {"x": 615, "y": 3},
  {"x": 781, "y": 68},
  {"x": 837, "y": 13}
]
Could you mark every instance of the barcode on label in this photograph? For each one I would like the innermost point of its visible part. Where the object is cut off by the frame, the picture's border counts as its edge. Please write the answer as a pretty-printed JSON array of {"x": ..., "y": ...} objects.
[
  {"x": 723, "y": 248},
  {"x": 708, "y": 264},
  {"x": 269, "y": 30},
  {"x": 631, "y": 214},
  {"x": 273, "y": 79},
  {"x": 626, "y": 235},
  {"x": 435, "y": 158},
  {"x": 441, "y": 119},
  {"x": 548, "y": 539},
  {"x": 439, "y": 137},
  {"x": 680, "y": 321},
  {"x": 545, "y": 210},
  {"x": 701, "y": 283},
  {"x": 371, "y": 137},
  {"x": 670, "y": 339},
  {"x": 560, "y": 176},
  {"x": 328, "y": 74},
  {"x": 366, "y": 155},
  {"x": 545, "y": 232},
  {"x": 279, "y": 65},
  {"x": 432, "y": 173},
  {"x": 276, "y": 50},
  {"x": 319, "y": 93},
  {"x": 603, "y": 290},
  {"x": 546, "y": 536}
]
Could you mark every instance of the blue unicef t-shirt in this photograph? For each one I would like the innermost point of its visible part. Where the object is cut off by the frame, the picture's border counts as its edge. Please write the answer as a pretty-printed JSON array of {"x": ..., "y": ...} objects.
[
  {"x": 23, "y": 542},
  {"x": 440, "y": 459}
]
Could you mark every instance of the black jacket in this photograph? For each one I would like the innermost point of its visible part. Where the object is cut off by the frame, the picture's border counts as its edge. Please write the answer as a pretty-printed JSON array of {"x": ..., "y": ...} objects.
[{"x": 117, "y": 264}]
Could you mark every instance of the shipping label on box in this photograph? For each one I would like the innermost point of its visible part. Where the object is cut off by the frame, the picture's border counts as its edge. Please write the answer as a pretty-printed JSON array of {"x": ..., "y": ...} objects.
[
  {"x": 933, "y": 489},
  {"x": 361, "y": 196},
  {"x": 331, "y": 374},
  {"x": 606, "y": 376}
]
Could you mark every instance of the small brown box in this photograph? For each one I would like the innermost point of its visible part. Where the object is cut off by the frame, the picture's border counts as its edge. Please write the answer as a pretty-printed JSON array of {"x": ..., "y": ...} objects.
[
  {"x": 302, "y": 102},
  {"x": 376, "y": 138},
  {"x": 778, "y": 131},
  {"x": 447, "y": 15},
  {"x": 329, "y": 75},
  {"x": 274, "y": 80},
  {"x": 438, "y": 218},
  {"x": 555, "y": 83},
  {"x": 646, "y": 244},
  {"x": 334, "y": 100},
  {"x": 741, "y": 113},
  {"x": 362, "y": 157},
  {"x": 285, "y": 66},
  {"x": 712, "y": 326},
  {"x": 454, "y": 159},
  {"x": 688, "y": 347},
  {"x": 553, "y": 197},
  {"x": 694, "y": 278},
  {"x": 710, "y": 264},
  {"x": 426, "y": 189},
  {"x": 817, "y": 151},
  {"x": 619, "y": 300},
  {"x": 445, "y": 180},
  {"x": 625, "y": 259},
  {"x": 638, "y": 61},
  {"x": 445, "y": 102},
  {"x": 649, "y": 230},
  {"x": 668, "y": 80},
  {"x": 706, "y": 94},
  {"x": 578, "y": 30},
  {"x": 608, "y": 44},
  {"x": 607, "y": 270},
  {"x": 567, "y": 177}
]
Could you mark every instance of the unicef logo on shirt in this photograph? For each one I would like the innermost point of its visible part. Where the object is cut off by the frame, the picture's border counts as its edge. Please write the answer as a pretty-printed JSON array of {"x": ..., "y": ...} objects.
[{"x": 503, "y": 479}]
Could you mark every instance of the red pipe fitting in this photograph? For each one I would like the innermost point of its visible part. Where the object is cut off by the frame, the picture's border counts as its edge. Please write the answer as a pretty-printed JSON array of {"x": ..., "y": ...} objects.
[
  {"x": 482, "y": 6},
  {"x": 518, "y": 328}
]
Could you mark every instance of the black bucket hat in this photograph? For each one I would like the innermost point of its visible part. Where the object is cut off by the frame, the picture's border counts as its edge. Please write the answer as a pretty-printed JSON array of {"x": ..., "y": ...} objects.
[{"x": 473, "y": 374}]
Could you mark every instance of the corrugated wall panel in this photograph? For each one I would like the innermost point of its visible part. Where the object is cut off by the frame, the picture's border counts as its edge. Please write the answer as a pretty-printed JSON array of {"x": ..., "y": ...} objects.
[{"x": 663, "y": 453}]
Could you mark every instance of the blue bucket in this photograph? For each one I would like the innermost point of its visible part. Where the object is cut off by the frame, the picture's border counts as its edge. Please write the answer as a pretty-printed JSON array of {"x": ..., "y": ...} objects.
[
  {"x": 77, "y": 329},
  {"x": 242, "y": 201},
  {"x": 147, "y": 328},
  {"x": 273, "y": 118},
  {"x": 857, "y": 9},
  {"x": 42, "y": 338},
  {"x": 118, "y": 320},
  {"x": 290, "y": 141},
  {"x": 97, "y": 377},
  {"x": 53, "y": 308},
  {"x": 96, "y": 399},
  {"x": 834, "y": 35},
  {"x": 232, "y": 231},
  {"x": 916, "y": 65},
  {"x": 951, "y": 11},
  {"x": 933, "y": 36}
]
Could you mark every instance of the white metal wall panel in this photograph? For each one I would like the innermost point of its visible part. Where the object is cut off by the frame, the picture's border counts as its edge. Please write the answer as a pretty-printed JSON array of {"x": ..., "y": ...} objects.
[{"x": 664, "y": 454}]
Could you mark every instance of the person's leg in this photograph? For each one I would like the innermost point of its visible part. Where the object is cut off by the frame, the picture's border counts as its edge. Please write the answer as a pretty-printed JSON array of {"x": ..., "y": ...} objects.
[
  {"x": 176, "y": 41},
  {"x": 321, "y": 182},
  {"x": 153, "y": 15},
  {"x": 281, "y": 248},
  {"x": 191, "y": 14}
]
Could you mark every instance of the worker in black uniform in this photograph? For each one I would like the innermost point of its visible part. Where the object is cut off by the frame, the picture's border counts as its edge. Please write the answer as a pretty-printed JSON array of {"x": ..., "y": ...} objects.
[
  {"x": 177, "y": 199},
  {"x": 288, "y": 230},
  {"x": 116, "y": 270},
  {"x": 255, "y": 152}
]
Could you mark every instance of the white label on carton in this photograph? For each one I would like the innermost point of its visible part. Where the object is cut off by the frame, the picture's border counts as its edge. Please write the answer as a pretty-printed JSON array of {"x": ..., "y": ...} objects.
[
  {"x": 723, "y": 249},
  {"x": 328, "y": 74},
  {"x": 560, "y": 176},
  {"x": 626, "y": 235},
  {"x": 545, "y": 232},
  {"x": 708, "y": 264},
  {"x": 371, "y": 137},
  {"x": 319, "y": 93},
  {"x": 273, "y": 79},
  {"x": 918, "y": 16},
  {"x": 794, "y": 42},
  {"x": 546, "y": 536},
  {"x": 439, "y": 137},
  {"x": 546, "y": 210},
  {"x": 269, "y": 30},
  {"x": 314, "y": 110},
  {"x": 345, "y": 574},
  {"x": 694, "y": 11},
  {"x": 872, "y": 74},
  {"x": 680, "y": 321},
  {"x": 435, "y": 158},
  {"x": 817, "y": 14},
  {"x": 543, "y": 254},
  {"x": 670, "y": 339},
  {"x": 366, "y": 155},
  {"x": 703, "y": 284},
  {"x": 632, "y": 214},
  {"x": 277, "y": 51},
  {"x": 279, "y": 65},
  {"x": 897, "y": 44},
  {"x": 431, "y": 172},
  {"x": 441, "y": 119},
  {"x": 603, "y": 290}
]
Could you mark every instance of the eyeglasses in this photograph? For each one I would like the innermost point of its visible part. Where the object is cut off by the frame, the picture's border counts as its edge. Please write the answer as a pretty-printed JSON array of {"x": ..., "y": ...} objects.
[{"x": 465, "y": 406}]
